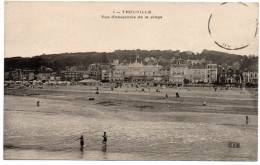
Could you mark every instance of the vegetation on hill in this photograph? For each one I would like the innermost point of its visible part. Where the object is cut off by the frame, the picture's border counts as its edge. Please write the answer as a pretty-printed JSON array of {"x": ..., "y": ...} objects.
[{"x": 59, "y": 62}]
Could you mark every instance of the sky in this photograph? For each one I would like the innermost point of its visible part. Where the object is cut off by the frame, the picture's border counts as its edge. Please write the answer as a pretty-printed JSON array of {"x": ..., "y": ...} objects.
[{"x": 35, "y": 28}]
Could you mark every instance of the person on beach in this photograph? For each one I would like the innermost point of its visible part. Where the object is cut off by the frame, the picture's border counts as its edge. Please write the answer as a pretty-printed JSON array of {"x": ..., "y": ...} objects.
[
  {"x": 104, "y": 138},
  {"x": 38, "y": 103},
  {"x": 177, "y": 95},
  {"x": 204, "y": 103},
  {"x": 81, "y": 141},
  {"x": 166, "y": 96},
  {"x": 246, "y": 120}
]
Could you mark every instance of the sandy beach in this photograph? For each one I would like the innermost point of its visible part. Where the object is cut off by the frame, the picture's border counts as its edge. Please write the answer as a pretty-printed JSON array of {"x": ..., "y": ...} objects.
[{"x": 141, "y": 125}]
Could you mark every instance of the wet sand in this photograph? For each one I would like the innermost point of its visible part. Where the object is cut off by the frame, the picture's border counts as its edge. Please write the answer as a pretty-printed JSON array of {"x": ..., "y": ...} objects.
[{"x": 140, "y": 125}]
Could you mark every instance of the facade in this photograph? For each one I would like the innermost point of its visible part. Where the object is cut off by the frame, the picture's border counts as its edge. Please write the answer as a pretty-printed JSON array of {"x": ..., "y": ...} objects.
[
  {"x": 178, "y": 72},
  {"x": 162, "y": 76},
  {"x": 28, "y": 75},
  {"x": 230, "y": 76},
  {"x": 54, "y": 77},
  {"x": 250, "y": 77},
  {"x": 212, "y": 73},
  {"x": 197, "y": 74},
  {"x": 74, "y": 74},
  {"x": 95, "y": 70},
  {"x": 16, "y": 75},
  {"x": 136, "y": 72},
  {"x": 105, "y": 75},
  {"x": 22, "y": 75},
  {"x": 44, "y": 73}
]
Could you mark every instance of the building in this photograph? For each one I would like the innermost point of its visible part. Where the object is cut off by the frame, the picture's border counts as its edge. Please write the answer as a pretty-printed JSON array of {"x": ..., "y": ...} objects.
[
  {"x": 134, "y": 72},
  {"x": 178, "y": 72},
  {"x": 16, "y": 75},
  {"x": 95, "y": 70},
  {"x": 22, "y": 75},
  {"x": 105, "y": 75},
  {"x": 73, "y": 74},
  {"x": 196, "y": 71},
  {"x": 212, "y": 73},
  {"x": 28, "y": 75},
  {"x": 250, "y": 77},
  {"x": 197, "y": 74},
  {"x": 230, "y": 76},
  {"x": 162, "y": 77},
  {"x": 44, "y": 73}
]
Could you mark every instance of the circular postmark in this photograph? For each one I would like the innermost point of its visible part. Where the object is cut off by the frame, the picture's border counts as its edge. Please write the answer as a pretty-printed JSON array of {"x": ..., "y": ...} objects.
[{"x": 233, "y": 26}]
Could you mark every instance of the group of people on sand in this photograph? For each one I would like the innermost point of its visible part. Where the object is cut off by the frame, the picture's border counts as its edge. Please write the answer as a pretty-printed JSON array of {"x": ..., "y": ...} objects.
[{"x": 82, "y": 140}]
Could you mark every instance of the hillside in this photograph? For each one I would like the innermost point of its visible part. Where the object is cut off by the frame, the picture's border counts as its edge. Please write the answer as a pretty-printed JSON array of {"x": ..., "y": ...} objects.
[{"x": 59, "y": 61}]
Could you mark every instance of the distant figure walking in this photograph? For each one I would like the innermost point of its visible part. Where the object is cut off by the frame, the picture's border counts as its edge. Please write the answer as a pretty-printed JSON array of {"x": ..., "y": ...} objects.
[
  {"x": 104, "y": 138},
  {"x": 177, "y": 95},
  {"x": 166, "y": 96},
  {"x": 204, "y": 103},
  {"x": 246, "y": 120},
  {"x": 38, "y": 103},
  {"x": 81, "y": 141}
]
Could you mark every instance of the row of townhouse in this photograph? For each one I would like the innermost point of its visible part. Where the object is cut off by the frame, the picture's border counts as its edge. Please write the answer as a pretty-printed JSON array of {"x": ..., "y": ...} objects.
[
  {"x": 180, "y": 72},
  {"x": 195, "y": 73},
  {"x": 211, "y": 73},
  {"x": 20, "y": 75},
  {"x": 44, "y": 73}
]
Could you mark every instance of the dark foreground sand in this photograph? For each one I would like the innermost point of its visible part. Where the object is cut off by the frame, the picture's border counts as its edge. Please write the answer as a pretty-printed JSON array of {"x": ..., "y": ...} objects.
[{"x": 140, "y": 125}]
